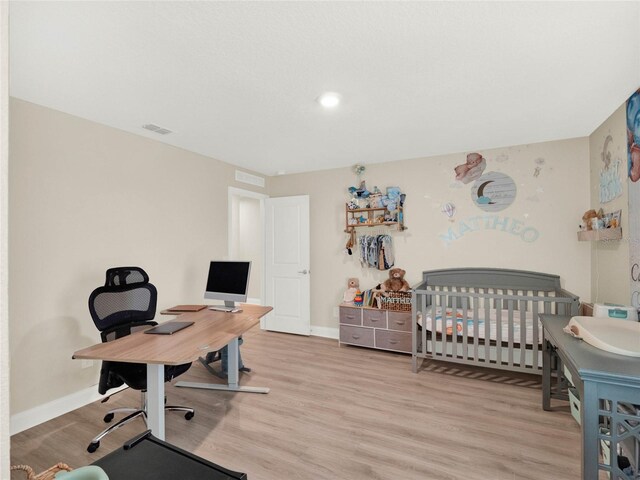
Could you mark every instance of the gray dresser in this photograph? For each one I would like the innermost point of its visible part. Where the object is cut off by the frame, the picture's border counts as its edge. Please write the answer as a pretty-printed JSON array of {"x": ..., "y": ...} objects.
[{"x": 375, "y": 328}]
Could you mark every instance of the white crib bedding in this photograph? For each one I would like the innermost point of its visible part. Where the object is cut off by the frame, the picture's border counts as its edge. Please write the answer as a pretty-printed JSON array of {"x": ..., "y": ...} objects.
[{"x": 493, "y": 324}]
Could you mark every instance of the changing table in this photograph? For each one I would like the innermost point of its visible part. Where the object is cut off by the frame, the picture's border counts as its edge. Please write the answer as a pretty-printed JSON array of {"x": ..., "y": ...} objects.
[{"x": 609, "y": 388}]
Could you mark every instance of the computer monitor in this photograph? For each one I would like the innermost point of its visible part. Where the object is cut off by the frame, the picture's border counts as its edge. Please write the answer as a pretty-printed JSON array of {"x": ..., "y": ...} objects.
[{"x": 228, "y": 281}]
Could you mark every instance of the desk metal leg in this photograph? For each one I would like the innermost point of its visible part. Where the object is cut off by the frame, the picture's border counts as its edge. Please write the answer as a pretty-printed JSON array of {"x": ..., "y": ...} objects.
[
  {"x": 155, "y": 399},
  {"x": 232, "y": 376},
  {"x": 232, "y": 366}
]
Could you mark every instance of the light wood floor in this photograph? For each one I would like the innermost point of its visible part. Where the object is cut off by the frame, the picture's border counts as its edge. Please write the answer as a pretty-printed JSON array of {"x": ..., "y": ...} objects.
[{"x": 342, "y": 413}]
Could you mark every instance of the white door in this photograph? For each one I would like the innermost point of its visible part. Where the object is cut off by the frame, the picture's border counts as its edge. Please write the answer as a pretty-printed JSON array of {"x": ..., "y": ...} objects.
[{"x": 287, "y": 262}]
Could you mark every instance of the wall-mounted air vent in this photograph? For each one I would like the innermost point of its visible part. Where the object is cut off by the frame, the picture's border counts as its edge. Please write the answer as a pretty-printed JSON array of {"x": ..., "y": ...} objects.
[
  {"x": 156, "y": 128},
  {"x": 245, "y": 177}
]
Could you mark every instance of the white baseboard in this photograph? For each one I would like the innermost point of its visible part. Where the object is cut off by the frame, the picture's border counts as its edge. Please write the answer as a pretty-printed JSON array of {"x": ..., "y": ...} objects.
[
  {"x": 327, "y": 332},
  {"x": 43, "y": 413}
]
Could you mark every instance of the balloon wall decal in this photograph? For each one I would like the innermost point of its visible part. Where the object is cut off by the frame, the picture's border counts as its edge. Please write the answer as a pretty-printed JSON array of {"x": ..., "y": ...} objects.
[{"x": 449, "y": 209}]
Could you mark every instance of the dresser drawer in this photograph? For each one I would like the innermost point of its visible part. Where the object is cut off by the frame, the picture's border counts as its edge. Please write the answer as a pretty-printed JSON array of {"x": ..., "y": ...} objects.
[
  {"x": 356, "y": 335},
  {"x": 400, "y": 321},
  {"x": 350, "y": 315},
  {"x": 390, "y": 340},
  {"x": 374, "y": 318}
]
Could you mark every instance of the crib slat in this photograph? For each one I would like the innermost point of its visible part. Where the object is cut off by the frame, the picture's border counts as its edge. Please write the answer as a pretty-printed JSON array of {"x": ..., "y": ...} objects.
[
  {"x": 454, "y": 331},
  {"x": 499, "y": 330},
  {"x": 475, "y": 327},
  {"x": 423, "y": 309},
  {"x": 523, "y": 331},
  {"x": 547, "y": 304},
  {"x": 465, "y": 333},
  {"x": 535, "y": 321},
  {"x": 510, "y": 326},
  {"x": 487, "y": 324},
  {"x": 443, "y": 325}
]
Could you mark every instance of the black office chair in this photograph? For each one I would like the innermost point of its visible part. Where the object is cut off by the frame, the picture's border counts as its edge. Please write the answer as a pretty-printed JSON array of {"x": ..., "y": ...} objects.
[{"x": 125, "y": 304}]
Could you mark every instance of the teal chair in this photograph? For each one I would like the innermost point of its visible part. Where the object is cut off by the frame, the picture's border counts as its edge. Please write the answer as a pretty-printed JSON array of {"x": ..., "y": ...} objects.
[{"x": 90, "y": 472}]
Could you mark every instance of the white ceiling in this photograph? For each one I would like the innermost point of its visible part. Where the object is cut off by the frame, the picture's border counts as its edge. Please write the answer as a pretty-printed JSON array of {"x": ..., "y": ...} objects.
[{"x": 237, "y": 81}]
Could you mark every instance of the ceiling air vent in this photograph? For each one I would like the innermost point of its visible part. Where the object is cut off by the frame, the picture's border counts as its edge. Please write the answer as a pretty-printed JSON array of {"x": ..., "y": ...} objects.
[
  {"x": 156, "y": 128},
  {"x": 245, "y": 177}
]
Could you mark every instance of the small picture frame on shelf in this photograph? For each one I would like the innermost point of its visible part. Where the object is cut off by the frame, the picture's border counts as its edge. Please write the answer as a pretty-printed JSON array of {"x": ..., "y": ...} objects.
[{"x": 614, "y": 219}]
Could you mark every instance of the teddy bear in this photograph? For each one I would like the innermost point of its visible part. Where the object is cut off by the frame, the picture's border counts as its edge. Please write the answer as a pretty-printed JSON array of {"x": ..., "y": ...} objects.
[
  {"x": 472, "y": 169},
  {"x": 396, "y": 281},
  {"x": 353, "y": 285},
  {"x": 587, "y": 218}
]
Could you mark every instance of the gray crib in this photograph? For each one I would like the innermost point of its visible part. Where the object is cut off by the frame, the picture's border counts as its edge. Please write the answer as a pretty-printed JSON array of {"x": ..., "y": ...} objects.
[{"x": 485, "y": 316}]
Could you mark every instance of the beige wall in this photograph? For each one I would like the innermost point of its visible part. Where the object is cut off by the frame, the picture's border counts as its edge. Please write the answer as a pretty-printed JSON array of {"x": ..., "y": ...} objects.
[
  {"x": 84, "y": 197},
  {"x": 552, "y": 203},
  {"x": 610, "y": 260}
]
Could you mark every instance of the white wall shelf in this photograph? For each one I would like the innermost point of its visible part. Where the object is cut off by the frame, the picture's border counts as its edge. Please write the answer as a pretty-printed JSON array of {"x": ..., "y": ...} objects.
[{"x": 603, "y": 234}]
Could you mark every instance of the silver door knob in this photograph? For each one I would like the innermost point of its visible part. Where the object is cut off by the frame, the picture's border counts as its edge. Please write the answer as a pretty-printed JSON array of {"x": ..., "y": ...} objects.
[{"x": 304, "y": 272}]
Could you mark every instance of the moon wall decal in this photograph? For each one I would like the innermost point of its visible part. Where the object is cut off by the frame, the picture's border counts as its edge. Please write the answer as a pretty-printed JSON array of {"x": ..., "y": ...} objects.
[
  {"x": 493, "y": 192},
  {"x": 481, "y": 197}
]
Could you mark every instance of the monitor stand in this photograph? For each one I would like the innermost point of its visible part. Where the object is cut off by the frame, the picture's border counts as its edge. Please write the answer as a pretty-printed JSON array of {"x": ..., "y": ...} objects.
[{"x": 229, "y": 306}]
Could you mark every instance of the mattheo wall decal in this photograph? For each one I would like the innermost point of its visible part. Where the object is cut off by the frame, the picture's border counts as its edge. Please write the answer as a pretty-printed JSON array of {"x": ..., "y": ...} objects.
[
  {"x": 493, "y": 192},
  {"x": 508, "y": 225}
]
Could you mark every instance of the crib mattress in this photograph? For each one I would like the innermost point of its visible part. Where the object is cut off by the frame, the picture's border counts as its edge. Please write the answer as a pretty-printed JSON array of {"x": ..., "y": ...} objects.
[{"x": 493, "y": 324}]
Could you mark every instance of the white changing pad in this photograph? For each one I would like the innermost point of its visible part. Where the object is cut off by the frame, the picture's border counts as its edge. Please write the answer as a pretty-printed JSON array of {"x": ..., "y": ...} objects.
[{"x": 493, "y": 324}]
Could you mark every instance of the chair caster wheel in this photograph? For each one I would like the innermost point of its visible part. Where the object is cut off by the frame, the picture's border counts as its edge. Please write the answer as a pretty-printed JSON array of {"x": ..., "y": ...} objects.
[
  {"x": 189, "y": 415},
  {"x": 108, "y": 417},
  {"x": 93, "y": 446}
]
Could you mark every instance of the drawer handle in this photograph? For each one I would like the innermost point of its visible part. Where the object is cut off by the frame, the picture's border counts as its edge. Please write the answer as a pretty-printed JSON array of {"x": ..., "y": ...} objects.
[
  {"x": 398, "y": 322},
  {"x": 393, "y": 342},
  {"x": 355, "y": 337},
  {"x": 375, "y": 319}
]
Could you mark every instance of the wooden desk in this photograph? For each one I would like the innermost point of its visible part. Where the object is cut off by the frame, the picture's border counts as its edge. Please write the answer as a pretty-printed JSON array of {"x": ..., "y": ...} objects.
[
  {"x": 211, "y": 331},
  {"x": 607, "y": 383}
]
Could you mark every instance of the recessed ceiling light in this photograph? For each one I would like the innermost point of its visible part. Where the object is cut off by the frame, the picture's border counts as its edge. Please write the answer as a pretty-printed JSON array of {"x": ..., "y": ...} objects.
[{"x": 329, "y": 100}]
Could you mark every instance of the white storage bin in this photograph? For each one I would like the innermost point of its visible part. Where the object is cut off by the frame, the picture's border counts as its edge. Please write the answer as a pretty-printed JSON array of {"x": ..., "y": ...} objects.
[
  {"x": 567, "y": 375},
  {"x": 574, "y": 402}
]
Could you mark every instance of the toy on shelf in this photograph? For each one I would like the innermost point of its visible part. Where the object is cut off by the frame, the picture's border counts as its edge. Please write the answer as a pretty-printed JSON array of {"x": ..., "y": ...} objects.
[
  {"x": 361, "y": 191},
  {"x": 369, "y": 209},
  {"x": 599, "y": 220},
  {"x": 587, "y": 219},
  {"x": 357, "y": 300},
  {"x": 353, "y": 286},
  {"x": 381, "y": 297},
  {"x": 396, "y": 281},
  {"x": 351, "y": 242}
]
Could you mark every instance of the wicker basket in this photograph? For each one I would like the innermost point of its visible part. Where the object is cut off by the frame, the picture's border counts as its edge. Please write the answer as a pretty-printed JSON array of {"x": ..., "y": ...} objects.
[
  {"x": 397, "y": 301},
  {"x": 48, "y": 474}
]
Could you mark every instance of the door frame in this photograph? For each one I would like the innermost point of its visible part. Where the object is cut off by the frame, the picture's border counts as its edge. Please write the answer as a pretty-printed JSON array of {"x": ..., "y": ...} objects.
[{"x": 240, "y": 192}]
